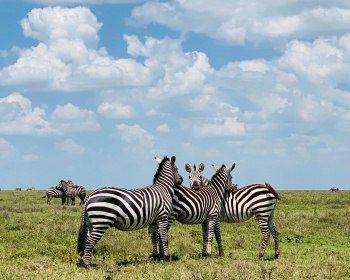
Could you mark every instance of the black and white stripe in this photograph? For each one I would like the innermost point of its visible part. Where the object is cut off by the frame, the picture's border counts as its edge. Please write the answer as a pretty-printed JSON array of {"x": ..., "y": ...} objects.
[
  {"x": 241, "y": 204},
  {"x": 201, "y": 207},
  {"x": 51, "y": 193},
  {"x": 129, "y": 210}
]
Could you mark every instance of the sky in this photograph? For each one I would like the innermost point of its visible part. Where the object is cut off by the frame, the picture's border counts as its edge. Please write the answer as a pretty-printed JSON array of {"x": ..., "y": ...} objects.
[{"x": 91, "y": 91}]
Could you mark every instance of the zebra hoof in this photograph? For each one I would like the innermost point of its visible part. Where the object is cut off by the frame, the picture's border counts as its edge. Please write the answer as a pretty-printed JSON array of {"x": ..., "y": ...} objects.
[
  {"x": 168, "y": 258},
  {"x": 155, "y": 257},
  {"x": 80, "y": 262}
]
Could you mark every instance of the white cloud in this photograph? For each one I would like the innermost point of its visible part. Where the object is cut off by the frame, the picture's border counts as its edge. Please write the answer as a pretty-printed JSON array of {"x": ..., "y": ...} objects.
[
  {"x": 18, "y": 117},
  {"x": 163, "y": 128},
  {"x": 70, "y": 146},
  {"x": 6, "y": 149},
  {"x": 136, "y": 135},
  {"x": 238, "y": 22},
  {"x": 220, "y": 127},
  {"x": 70, "y": 118},
  {"x": 115, "y": 110}
]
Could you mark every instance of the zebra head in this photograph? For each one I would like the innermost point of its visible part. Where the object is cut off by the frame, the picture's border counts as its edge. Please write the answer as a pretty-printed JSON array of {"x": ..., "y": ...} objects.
[
  {"x": 228, "y": 185},
  {"x": 61, "y": 185},
  {"x": 176, "y": 175},
  {"x": 195, "y": 176}
]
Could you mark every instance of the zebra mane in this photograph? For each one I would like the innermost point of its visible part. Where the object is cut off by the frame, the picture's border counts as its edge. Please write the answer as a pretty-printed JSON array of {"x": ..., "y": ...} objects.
[
  {"x": 216, "y": 174},
  {"x": 160, "y": 167}
]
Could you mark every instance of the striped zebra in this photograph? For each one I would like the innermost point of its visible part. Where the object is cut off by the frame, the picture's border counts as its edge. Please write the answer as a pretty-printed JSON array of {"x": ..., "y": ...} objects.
[
  {"x": 334, "y": 189},
  {"x": 241, "y": 204},
  {"x": 30, "y": 189},
  {"x": 129, "y": 210},
  {"x": 51, "y": 193},
  {"x": 70, "y": 191},
  {"x": 18, "y": 189},
  {"x": 200, "y": 207}
]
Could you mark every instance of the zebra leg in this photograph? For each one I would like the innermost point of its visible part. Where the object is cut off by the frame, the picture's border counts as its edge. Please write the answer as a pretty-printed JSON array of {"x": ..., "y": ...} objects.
[
  {"x": 218, "y": 237},
  {"x": 275, "y": 238},
  {"x": 264, "y": 228},
  {"x": 154, "y": 236},
  {"x": 274, "y": 233},
  {"x": 205, "y": 239},
  {"x": 211, "y": 226},
  {"x": 91, "y": 241},
  {"x": 163, "y": 232}
]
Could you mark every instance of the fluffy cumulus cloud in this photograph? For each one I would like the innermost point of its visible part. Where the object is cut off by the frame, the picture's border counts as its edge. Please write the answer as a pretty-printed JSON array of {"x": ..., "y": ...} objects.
[
  {"x": 18, "y": 117},
  {"x": 136, "y": 135},
  {"x": 237, "y": 22},
  {"x": 66, "y": 57},
  {"x": 219, "y": 127},
  {"x": 114, "y": 110},
  {"x": 70, "y": 146}
]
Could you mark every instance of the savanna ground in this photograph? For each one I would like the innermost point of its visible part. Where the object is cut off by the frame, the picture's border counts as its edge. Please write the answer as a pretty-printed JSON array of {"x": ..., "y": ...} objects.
[{"x": 38, "y": 241}]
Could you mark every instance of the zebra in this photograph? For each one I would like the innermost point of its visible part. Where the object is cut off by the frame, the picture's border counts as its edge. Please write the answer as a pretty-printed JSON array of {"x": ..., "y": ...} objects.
[
  {"x": 195, "y": 177},
  {"x": 241, "y": 204},
  {"x": 18, "y": 189},
  {"x": 51, "y": 193},
  {"x": 334, "y": 189},
  {"x": 129, "y": 210},
  {"x": 30, "y": 189},
  {"x": 70, "y": 191},
  {"x": 200, "y": 207}
]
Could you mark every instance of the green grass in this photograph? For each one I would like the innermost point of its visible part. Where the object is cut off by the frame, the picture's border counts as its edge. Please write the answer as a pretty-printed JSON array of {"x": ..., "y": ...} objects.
[{"x": 38, "y": 241}]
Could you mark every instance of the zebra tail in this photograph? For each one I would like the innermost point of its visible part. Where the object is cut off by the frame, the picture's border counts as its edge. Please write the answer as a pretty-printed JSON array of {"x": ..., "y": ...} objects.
[
  {"x": 82, "y": 235},
  {"x": 272, "y": 190},
  {"x": 43, "y": 196}
]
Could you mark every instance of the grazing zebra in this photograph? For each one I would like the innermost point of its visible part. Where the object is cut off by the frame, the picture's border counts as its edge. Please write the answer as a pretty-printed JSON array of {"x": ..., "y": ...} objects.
[
  {"x": 30, "y": 189},
  {"x": 129, "y": 210},
  {"x": 70, "y": 191},
  {"x": 242, "y": 204},
  {"x": 18, "y": 189},
  {"x": 200, "y": 207},
  {"x": 51, "y": 193},
  {"x": 334, "y": 189}
]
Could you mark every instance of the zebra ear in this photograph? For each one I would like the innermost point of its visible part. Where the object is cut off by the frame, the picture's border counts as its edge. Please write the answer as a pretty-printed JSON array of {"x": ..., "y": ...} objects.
[
  {"x": 215, "y": 167},
  {"x": 173, "y": 159},
  {"x": 158, "y": 160},
  {"x": 188, "y": 168},
  {"x": 201, "y": 167},
  {"x": 232, "y": 167}
]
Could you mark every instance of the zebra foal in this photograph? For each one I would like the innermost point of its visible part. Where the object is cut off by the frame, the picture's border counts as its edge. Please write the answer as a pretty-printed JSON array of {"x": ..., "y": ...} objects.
[
  {"x": 129, "y": 210},
  {"x": 241, "y": 204}
]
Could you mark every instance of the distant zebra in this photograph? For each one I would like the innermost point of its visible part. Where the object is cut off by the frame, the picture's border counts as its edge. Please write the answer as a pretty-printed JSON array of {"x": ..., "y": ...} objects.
[
  {"x": 129, "y": 210},
  {"x": 18, "y": 189},
  {"x": 242, "y": 204},
  {"x": 30, "y": 189},
  {"x": 334, "y": 189},
  {"x": 51, "y": 193},
  {"x": 201, "y": 207},
  {"x": 70, "y": 191}
]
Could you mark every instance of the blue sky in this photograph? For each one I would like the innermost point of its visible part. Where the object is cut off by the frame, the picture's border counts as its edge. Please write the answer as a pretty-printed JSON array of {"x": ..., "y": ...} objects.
[{"x": 92, "y": 90}]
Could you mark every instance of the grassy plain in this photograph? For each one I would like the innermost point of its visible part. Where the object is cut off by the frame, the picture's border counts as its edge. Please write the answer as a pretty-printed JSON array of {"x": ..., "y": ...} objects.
[{"x": 38, "y": 241}]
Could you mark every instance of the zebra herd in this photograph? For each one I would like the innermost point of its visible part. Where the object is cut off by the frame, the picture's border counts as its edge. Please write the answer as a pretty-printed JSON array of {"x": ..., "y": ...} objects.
[
  {"x": 67, "y": 191},
  {"x": 207, "y": 202}
]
